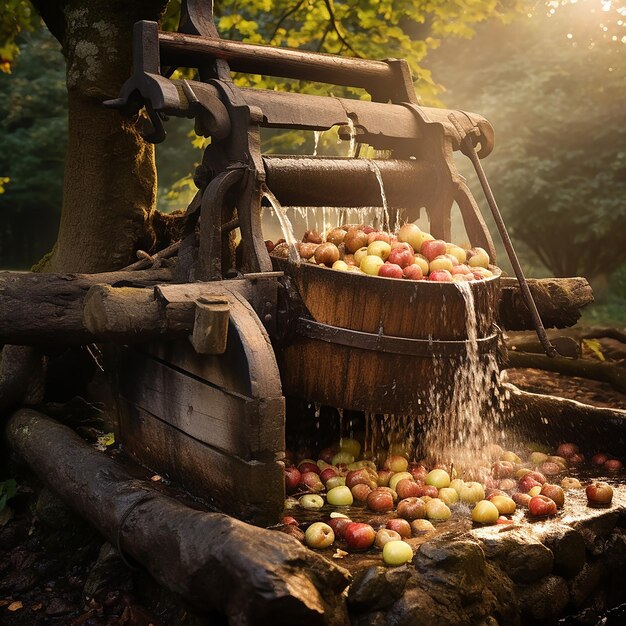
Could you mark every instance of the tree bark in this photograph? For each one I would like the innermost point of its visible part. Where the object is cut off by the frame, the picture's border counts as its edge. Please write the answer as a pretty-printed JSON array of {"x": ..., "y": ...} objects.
[
  {"x": 558, "y": 300},
  {"x": 110, "y": 177},
  {"x": 253, "y": 575}
]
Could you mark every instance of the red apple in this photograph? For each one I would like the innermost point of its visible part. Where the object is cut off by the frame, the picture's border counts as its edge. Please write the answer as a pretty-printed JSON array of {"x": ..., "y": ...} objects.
[
  {"x": 541, "y": 506},
  {"x": 401, "y": 256},
  {"x": 461, "y": 269},
  {"x": 600, "y": 458},
  {"x": 413, "y": 272},
  {"x": 380, "y": 500},
  {"x": 502, "y": 469},
  {"x": 432, "y": 249},
  {"x": 411, "y": 508},
  {"x": 599, "y": 493},
  {"x": 401, "y": 526},
  {"x": 613, "y": 465},
  {"x": 551, "y": 469},
  {"x": 361, "y": 477},
  {"x": 429, "y": 490},
  {"x": 567, "y": 450},
  {"x": 378, "y": 235},
  {"x": 526, "y": 483},
  {"x": 521, "y": 499},
  {"x": 554, "y": 492},
  {"x": 338, "y": 524},
  {"x": 576, "y": 459},
  {"x": 390, "y": 270},
  {"x": 440, "y": 276},
  {"x": 360, "y": 492},
  {"x": 327, "y": 473},
  {"x": 396, "y": 463},
  {"x": 359, "y": 536},
  {"x": 292, "y": 478},
  {"x": 408, "y": 488},
  {"x": 308, "y": 466},
  {"x": 289, "y": 521},
  {"x": 354, "y": 240}
]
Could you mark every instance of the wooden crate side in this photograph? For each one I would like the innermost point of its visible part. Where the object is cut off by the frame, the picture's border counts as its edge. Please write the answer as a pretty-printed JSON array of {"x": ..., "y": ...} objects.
[
  {"x": 234, "y": 423},
  {"x": 250, "y": 490}
]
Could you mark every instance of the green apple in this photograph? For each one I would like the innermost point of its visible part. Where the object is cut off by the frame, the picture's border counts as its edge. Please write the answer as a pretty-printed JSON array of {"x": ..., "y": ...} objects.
[
  {"x": 371, "y": 263},
  {"x": 485, "y": 512},
  {"x": 438, "y": 478},
  {"x": 380, "y": 249},
  {"x": 397, "y": 553}
]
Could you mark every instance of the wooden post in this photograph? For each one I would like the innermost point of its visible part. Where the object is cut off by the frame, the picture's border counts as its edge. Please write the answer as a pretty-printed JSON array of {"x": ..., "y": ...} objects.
[{"x": 210, "y": 328}]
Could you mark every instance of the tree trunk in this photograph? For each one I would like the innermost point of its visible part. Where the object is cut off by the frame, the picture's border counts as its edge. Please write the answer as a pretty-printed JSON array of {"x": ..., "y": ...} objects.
[{"x": 110, "y": 177}]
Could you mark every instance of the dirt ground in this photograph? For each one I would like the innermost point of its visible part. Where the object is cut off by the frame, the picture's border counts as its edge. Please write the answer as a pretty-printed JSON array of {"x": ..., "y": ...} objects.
[{"x": 48, "y": 556}]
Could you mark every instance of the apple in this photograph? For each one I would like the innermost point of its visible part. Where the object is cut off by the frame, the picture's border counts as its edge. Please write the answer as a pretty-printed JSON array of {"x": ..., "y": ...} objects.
[
  {"x": 510, "y": 456},
  {"x": 418, "y": 472},
  {"x": 541, "y": 506},
  {"x": 411, "y": 508},
  {"x": 502, "y": 469},
  {"x": 380, "y": 249},
  {"x": 521, "y": 499},
  {"x": 354, "y": 239},
  {"x": 549, "y": 468},
  {"x": 396, "y": 478},
  {"x": 576, "y": 459},
  {"x": 340, "y": 496},
  {"x": 554, "y": 492},
  {"x": 335, "y": 481},
  {"x": 326, "y": 254},
  {"x": 504, "y": 504},
  {"x": 359, "y": 536},
  {"x": 292, "y": 478},
  {"x": 613, "y": 465},
  {"x": 438, "y": 478},
  {"x": 413, "y": 272},
  {"x": 456, "y": 484},
  {"x": 457, "y": 252},
  {"x": 440, "y": 262},
  {"x": 328, "y": 472},
  {"x": 289, "y": 521},
  {"x": 340, "y": 266},
  {"x": 599, "y": 493},
  {"x": 401, "y": 257},
  {"x": 360, "y": 492},
  {"x": 385, "y": 535},
  {"x": 461, "y": 270},
  {"x": 378, "y": 235},
  {"x": 308, "y": 465},
  {"x": 567, "y": 450},
  {"x": 478, "y": 257},
  {"x": 433, "y": 248},
  {"x": 380, "y": 500},
  {"x": 311, "y": 501},
  {"x": 359, "y": 255},
  {"x": 570, "y": 483},
  {"x": 437, "y": 510},
  {"x": 535, "y": 491},
  {"x": 401, "y": 526},
  {"x": 326, "y": 455},
  {"x": 351, "y": 446},
  {"x": 408, "y": 488},
  {"x": 390, "y": 270},
  {"x": 396, "y": 463},
  {"x": 397, "y": 553},
  {"x": 342, "y": 457},
  {"x": 319, "y": 535},
  {"x": 507, "y": 484},
  {"x": 371, "y": 264},
  {"x": 494, "y": 451},
  {"x": 448, "y": 495},
  {"x": 402, "y": 245},
  {"x": 440, "y": 276},
  {"x": 336, "y": 235},
  {"x": 361, "y": 476},
  {"x": 538, "y": 476},
  {"x": 471, "y": 492},
  {"x": 485, "y": 512},
  {"x": 481, "y": 273},
  {"x": 600, "y": 458},
  {"x": 413, "y": 236},
  {"x": 429, "y": 491},
  {"x": 421, "y": 526},
  {"x": 421, "y": 261},
  {"x": 537, "y": 458},
  {"x": 338, "y": 524},
  {"x": 504, "y": 520},
  {"x": 311, "y": 481},
  {"x": 383, "y": 477}
]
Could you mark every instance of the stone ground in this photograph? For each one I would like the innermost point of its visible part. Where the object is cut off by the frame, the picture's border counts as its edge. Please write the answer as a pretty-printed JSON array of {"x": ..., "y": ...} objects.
[{"x": 54, "y": 568}]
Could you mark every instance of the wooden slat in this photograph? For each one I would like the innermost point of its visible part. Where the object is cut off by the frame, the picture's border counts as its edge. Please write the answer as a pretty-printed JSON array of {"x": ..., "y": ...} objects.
[
  {"x": 231, "y": 422},
  {"x": 252, "y": 491}
]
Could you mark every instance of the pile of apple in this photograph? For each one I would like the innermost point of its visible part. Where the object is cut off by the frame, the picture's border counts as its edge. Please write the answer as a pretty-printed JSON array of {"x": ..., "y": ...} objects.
[
  {"x": 411, "y": 254},
  {"x": 418, "y": 497}
]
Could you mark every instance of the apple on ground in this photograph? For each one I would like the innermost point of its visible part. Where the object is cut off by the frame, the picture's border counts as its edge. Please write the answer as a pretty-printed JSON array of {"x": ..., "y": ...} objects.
[
  {"x": 542, "y": 506},
  {"x": 335, "y": 481},
  {"x": 397, "y": 477},
  {"x": 311, "y": 501},
  {"x": 383, "y": 477},
  {"x": 471, "y": 492},
  {"x": 342, "y": 457},
  {"x": 448, "y": 495},
  {"x": 570, "y": 482},
  {"x": 338, "y": 524},
  {"x": 380, "y": 500},
  {"x": 340, "y": 496},
  {"x": 600, "y": 458},
  {"x": 521, "y": 499},
  {"x": 504, "y": 504},
  {"x": 396, "y": 463},
  {"x": 437, "y": 510},
  {"x": 292, "y": 478},
  {"x": 408, "y": 488},
  {"x": 401, "y": 526},
  {"x": 554, "y": 492},
  {"x": 599, "y": 493},
  {"x": 397, "y": 553},
  {"x": 411, "y": 508},
  {"x": 438, "y": 478},
  {"x": 385, "y": 535},
  {"x": 360, "y": 492},
  {"x": 567, "y": 450},
  {"x": 311, "y": 481},
  {"x": 485, "y": 512},
  {"x": 613, "y": 465},
  {"x": 359, "y": 536},
  {"x": 319, "y": 535}
]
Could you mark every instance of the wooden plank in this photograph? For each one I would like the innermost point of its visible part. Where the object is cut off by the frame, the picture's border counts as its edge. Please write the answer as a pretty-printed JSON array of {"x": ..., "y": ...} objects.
[
  {"x": 225, "y": 420},
  {"x": 252, "y": 491}
]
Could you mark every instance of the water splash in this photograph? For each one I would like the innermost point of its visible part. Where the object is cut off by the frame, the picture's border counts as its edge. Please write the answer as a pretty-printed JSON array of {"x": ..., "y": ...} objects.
[
  {"x": 317, "y": 134},
  {"x": 285, "y": 226},
  {"x": 352, "y": 130}
]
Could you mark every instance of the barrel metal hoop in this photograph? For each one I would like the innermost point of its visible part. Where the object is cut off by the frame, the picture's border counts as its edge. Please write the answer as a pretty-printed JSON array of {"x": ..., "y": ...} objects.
[{"x": 393, "y": 345}]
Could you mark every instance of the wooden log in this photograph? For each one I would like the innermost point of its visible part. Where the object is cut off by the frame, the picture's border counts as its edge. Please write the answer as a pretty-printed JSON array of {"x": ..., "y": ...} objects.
[
  {"x": 210, "y": 326},
  {"x": 47, "y": 309},
  {"x": 548, "y": 419},
  {"x": 558, "y": 300},
  {"x": 615, "y": 375},
  {"x": 254, "y": 576}
]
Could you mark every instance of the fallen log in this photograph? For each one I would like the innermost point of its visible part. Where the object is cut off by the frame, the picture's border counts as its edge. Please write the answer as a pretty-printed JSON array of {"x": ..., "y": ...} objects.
[
  {"x": 253, "y": 575},
  {"x": 548, "y": 419},
  {"x": 47, "y": 309},
  {"x": 605, "y": 372},
  {"x": 559, "y": 301}
]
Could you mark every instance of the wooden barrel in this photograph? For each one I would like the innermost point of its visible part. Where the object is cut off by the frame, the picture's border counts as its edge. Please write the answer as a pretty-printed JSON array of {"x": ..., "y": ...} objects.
[{"x": 411, "y": 337}]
